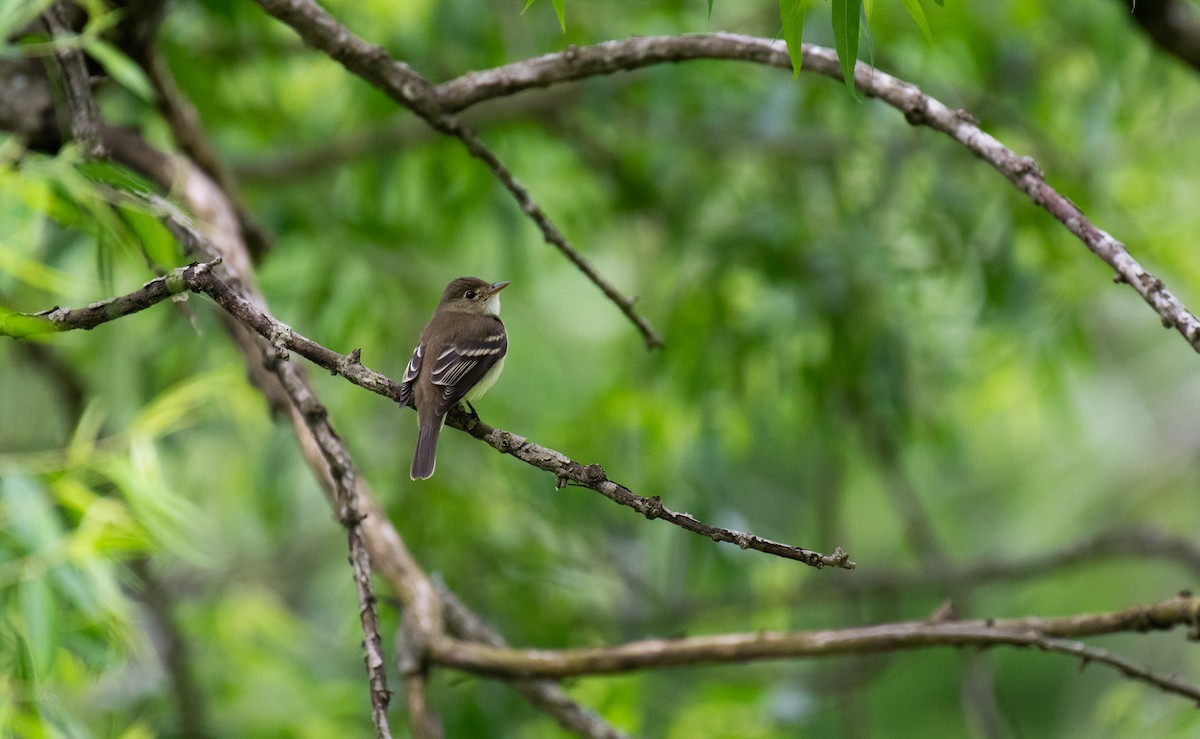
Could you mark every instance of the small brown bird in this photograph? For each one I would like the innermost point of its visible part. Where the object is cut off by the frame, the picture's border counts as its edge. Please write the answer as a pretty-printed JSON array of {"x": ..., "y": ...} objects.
[{"x": 460, "y": 355}]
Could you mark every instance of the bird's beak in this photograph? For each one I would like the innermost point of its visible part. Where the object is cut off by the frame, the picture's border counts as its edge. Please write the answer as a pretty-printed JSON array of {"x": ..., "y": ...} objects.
[{"x": 497, "y": 287}]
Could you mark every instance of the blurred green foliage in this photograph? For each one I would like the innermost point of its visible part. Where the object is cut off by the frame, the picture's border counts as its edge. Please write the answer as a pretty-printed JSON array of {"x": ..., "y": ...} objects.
[{"x": 853, "y": 308}]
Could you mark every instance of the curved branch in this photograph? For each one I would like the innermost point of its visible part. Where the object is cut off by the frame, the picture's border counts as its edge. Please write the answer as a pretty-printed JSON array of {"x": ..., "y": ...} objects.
[
  {"x": 199, "y": 278},
  {"x": 917, "y": 107}
]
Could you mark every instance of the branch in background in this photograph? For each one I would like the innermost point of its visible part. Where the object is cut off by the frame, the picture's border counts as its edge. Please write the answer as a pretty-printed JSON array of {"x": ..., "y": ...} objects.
[
  {"x": 413, "y": 663},
  {"x": 85, "y": 116},
  {"x": 189, "y": 699},
  {"x": 918, "y": 108},
  {"x": 1135, "y": 546},
  {"x": 386, "y": 138},
  {"x": 1044, "y": 633},
  {"x": 977, "y": 679},
  {"x": 321, "y": 31},
  {"x": 192, "y": 139},
  {"x": 200, "y": 278},
  {"x": 1172, "y": 25}
]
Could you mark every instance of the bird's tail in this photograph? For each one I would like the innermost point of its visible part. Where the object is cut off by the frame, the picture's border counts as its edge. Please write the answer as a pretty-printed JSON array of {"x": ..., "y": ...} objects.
[{"x": 425, "y": 457}]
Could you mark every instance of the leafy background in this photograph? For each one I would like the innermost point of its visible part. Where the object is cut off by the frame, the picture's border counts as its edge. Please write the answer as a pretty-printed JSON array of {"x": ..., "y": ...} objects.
[{"x": 858, "y": 316}]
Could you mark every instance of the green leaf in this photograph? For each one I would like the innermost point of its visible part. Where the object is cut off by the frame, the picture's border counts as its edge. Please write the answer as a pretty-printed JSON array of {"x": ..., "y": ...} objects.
[
  {"x": 28, "y": 515},
  {"x": 918, "y": 14},
  {"x": 36, "y": 274},
  {"x": 560, "y": 9},
  {"x": 710, "y": 2},
  {"x": 845, "y": 37},
  {"x": 791, "y": 13},
  {"x": 121, "y": 68},
  {"x": 173, "y": 521},
  {"x": 37, "y": 613},
  {"x": 15, "y": 16}
]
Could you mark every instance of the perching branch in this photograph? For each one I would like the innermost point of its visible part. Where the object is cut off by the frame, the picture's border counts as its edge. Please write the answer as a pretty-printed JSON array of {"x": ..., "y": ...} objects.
[
  {"x": 199, "y": 278},
  {"x": 402, "y": 83}
]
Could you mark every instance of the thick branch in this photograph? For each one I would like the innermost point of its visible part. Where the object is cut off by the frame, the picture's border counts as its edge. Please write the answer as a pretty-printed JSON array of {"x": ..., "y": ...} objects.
[
  {"x": 1044, "y": 633},
  {"x": 321, "y": 31},
  {"x": 199, "y": 278}
]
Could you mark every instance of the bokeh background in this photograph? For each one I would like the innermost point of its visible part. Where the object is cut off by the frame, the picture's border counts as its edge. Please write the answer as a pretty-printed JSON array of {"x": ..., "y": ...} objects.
[{"x": 873, "y": 341}]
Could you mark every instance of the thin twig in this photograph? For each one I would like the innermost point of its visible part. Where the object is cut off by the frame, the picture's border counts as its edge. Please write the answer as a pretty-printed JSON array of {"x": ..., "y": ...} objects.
[
  {"x": 593, "y": 477},
  {"x": 403, "y": 84},
  {"x": 199, "y": 278}
]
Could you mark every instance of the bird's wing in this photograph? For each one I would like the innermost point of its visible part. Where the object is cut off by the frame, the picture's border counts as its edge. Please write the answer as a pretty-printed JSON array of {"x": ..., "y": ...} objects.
[
  {"x": 410, "y": 375},
  {"x": 464, "y": 361}
]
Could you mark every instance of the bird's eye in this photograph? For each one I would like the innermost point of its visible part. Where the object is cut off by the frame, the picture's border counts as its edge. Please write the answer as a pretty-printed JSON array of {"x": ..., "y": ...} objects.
[{"x": 470, "y": 295}]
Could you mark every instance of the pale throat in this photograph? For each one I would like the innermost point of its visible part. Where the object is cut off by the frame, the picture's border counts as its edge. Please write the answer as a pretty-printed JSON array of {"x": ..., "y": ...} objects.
[{"x": 491, "y": 306}]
